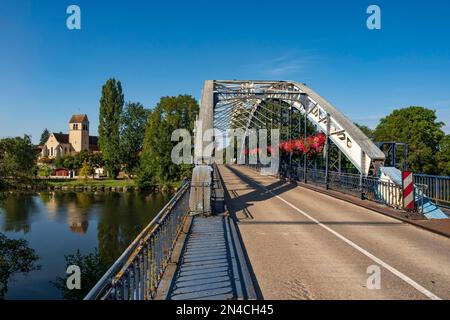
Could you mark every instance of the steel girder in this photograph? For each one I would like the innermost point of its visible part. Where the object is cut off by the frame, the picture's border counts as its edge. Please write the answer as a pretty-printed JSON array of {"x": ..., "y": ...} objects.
[{"x": 226, "y": 102}]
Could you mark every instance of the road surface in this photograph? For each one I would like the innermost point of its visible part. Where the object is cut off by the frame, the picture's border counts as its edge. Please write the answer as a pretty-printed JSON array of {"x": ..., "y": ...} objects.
[{"x": 306, "y": 245}]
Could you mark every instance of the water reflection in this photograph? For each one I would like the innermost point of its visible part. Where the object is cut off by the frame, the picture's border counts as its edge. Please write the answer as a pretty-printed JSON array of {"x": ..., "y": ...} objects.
[
  {"x": 60, "y": 223},
  {"x": 74, "y": 206},
  {"x": 18, "y": 208}
]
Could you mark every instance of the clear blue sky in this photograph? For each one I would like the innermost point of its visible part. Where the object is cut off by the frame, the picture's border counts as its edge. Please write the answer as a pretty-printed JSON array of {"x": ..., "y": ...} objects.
[{"x": 159, "y": 48}]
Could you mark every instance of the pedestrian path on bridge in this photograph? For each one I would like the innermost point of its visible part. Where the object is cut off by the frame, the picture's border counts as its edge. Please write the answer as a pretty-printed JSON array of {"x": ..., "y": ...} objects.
[
  {"x": 211, "y": 267},
  {"x": 212, "y": 264}
]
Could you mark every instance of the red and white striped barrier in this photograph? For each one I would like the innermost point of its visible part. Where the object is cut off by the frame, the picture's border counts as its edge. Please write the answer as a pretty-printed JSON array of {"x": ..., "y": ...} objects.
[{"x": 408, "y": 190}]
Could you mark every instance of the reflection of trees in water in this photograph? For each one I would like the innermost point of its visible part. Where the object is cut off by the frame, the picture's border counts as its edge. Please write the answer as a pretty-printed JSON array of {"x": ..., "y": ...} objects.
[
  {"x": 18, "y": 209},
  {"x": 15, "y": 257},
  {"x": 92, "y": 270},
  {"x": 122, "y": 218}
]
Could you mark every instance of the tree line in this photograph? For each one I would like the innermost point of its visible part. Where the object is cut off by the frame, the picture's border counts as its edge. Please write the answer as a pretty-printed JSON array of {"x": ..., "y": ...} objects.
[
  {"x": 132, "y": 139},
  {"x": 428, "y": 145},
  {"x": 137, "y": 141}
]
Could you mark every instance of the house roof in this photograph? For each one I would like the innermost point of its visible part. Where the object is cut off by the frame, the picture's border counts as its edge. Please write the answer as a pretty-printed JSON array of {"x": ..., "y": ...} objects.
[
  {"x": 79, "y": 118},
  {"x": 61, "y": 137}
]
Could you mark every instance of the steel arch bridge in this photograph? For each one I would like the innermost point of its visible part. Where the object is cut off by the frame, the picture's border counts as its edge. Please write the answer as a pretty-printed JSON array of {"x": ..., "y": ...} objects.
[{"x": 227, "y": 104}]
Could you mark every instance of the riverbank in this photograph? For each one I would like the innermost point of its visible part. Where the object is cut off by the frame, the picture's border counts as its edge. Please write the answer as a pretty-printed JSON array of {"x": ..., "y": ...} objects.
[
  {"x": 123, "y": 185},
  {"x": 92, "y": 185}
]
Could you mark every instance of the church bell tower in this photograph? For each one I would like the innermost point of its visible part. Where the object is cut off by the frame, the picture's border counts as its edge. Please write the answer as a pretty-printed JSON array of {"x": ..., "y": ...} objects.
[{"x": 79, "y": 132}]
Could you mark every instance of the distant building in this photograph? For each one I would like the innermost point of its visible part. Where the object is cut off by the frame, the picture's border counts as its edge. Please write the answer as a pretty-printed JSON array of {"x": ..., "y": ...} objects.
[
  {"x": 78, "y": 139},
  {"x": 61, "y": 172}
]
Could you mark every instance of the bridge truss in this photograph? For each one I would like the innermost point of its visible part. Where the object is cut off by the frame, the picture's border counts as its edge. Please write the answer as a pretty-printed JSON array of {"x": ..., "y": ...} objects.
[{"x": 232, "y": 104}]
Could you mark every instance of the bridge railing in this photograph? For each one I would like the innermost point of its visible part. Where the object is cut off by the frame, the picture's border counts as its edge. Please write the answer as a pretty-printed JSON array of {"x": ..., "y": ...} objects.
[
  {"x": 138, "y": 271},
  {"x": 438, "y": 188},
  {"x": 370, "y": 188}
]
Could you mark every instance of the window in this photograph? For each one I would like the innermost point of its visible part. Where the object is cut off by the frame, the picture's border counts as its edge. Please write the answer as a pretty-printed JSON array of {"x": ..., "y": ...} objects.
[{"x": 75, "y": 126}]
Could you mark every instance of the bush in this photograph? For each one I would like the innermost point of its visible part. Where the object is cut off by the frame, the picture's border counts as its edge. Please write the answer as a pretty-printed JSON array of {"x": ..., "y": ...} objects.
[{"x": 45, "y": 171}]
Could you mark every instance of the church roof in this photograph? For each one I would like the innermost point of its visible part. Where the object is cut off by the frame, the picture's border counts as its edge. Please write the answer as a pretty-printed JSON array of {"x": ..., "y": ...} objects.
[
  {"x": 93, "y": 143},
  {"x": 93, "y": 140},
  {"x": 79, "y": 118},
  {"x": 61, "y": 137}
]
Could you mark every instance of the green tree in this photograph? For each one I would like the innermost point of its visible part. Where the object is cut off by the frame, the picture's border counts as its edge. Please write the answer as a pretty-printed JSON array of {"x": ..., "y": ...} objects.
[
  {"x": 69, "y": 163},
  {"x": 156, "y": 166},
  {"x": 85, "y": 170},
  {"x": 443, "y": 156},
  {"x": 80, "y": 158},
  {"x": 45, "y": 171},
  {"x": 367, "y": 131},
  {"x": 62, "y": 162},
  {"x": 17, "y": 161},
  {"x": 15, "y": 257},
  {"x": 44, "y": 137},
  {"x": 111, "y": 104},
  {"x": 418, "y": 127},
  {"x": 95, "y": 161},
  {"x": 132, "y": 129}
]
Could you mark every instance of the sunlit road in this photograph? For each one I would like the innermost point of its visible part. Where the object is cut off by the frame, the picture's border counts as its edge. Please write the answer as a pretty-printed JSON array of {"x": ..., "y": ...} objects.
[{"x": 306, "y": 245}]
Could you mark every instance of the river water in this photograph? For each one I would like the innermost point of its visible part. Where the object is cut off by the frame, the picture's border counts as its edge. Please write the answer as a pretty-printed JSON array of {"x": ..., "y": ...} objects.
[{"x": 59, "y": 223}]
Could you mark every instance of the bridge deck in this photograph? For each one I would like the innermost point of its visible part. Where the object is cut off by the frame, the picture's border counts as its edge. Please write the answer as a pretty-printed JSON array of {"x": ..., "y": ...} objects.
[{"x": 307, "y": 245}]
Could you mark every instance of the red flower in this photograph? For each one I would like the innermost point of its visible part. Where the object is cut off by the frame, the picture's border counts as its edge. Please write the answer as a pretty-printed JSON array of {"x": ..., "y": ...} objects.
[
  {"x": 300, "y": 146},
  {"x": 287, "y": 146},
  {"x": 318, "y": 142}
]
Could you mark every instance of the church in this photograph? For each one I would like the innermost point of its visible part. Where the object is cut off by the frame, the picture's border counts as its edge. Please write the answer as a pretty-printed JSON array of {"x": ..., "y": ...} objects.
[{"x": 78, "y": 139}]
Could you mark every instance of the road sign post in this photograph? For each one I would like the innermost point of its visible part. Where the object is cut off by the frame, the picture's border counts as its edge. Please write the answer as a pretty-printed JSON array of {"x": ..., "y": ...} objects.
[{"x": 408, "y": 190}]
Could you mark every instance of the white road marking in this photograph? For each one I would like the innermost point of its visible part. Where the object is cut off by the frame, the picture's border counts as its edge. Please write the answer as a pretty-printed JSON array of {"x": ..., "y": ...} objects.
[{"x": 402, "y": 276}]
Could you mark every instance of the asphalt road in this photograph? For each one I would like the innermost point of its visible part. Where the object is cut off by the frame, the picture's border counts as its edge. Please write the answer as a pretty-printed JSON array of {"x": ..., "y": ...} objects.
[{"x": 306, "y": 245}]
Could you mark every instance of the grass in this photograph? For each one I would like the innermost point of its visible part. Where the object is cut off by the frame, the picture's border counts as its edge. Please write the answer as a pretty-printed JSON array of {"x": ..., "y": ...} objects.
[
  {"x": 92, "y": 183},
  {"x": 106, "y": 183}
]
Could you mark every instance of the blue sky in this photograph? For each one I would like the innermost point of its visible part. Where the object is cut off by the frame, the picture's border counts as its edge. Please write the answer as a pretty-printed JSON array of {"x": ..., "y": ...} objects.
[{"x": 159, "y": 48}]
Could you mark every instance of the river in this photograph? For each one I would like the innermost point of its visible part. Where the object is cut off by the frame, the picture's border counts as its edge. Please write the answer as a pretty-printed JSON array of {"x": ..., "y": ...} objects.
[{"x": 59, "y": 223}]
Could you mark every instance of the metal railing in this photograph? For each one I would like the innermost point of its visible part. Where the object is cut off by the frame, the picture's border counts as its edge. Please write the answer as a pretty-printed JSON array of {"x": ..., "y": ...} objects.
[
  {"x": 369, "y": 188},
  {"x": 384, "y": 192},
  {"x": 138, "y": 271},
  {"x": 438, "y": 188},
  {"x": 421, "y": 191},
  {"x": 373, "y": 188}
]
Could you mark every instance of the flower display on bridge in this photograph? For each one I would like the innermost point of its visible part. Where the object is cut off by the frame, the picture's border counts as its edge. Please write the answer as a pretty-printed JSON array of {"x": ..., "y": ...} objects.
[
  {"x": 313, "y": 146},
  {"x": 287, "y": 146}
]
